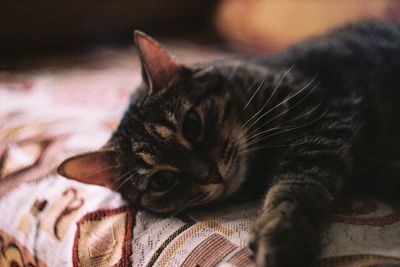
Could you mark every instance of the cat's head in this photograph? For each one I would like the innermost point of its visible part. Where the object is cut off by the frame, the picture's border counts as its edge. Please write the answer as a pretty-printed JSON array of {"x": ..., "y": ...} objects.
[{"x": 178, "y": 144}]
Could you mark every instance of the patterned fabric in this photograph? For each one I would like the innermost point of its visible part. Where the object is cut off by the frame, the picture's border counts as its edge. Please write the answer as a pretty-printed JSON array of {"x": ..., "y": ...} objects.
[{"x": 49, "y": 113}]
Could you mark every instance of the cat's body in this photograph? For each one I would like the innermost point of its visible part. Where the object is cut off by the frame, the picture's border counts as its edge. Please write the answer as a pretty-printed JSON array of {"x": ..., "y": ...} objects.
[
  {"x": 359, "y": 65},
  {"x": 300, "y": 127},
  {"x": 357, "y": 69}
]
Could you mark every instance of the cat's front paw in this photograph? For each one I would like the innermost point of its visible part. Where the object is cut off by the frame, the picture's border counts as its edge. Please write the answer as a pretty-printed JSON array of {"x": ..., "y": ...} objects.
[{"x": 283, "y": 237}]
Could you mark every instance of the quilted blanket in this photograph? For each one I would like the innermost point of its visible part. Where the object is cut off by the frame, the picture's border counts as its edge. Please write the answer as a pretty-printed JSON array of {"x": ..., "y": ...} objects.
[{"x": 57, "y": 107}]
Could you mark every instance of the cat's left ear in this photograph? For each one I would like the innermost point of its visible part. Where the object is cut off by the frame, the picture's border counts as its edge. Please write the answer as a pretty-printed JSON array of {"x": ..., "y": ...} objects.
[
  {"x": 159, "y": 69},
  {"x": 98, "y": 167}
]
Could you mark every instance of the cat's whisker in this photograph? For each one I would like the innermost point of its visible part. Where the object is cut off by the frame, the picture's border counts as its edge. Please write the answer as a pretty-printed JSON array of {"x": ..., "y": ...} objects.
[
  {"x": 234, "y": 132},
  {"x": 250, "y": 138},
  {"x": 287, "y": 123},
  {"x": 271, "y": 146},
  {"x": 268, "y": 100},
  {"x": 101, "y": 171},
  {"x": 280, "y": 143},
  {"x": 254, "y": 140},
  {"x": 270, "y": 97},
  {"x": 246, "y": 129},
  {"x": 279, "y": 104},
  {"x": 115, "y": 183},
  {"x": 285, "y": 111},
  {"x": 287, "y": 130},
  {"x": 254, "y": 133},
  {"x": 121, "y": 184},
  {"x": 279, "y": 83},
  {"x": 284, "y": 101},
  {"x": 305, "y": 114},
  {"x": 119, "y": 178},
  {"x": 271, "y": 135},
  {"x": 254, "y": 94},
  {"x": 248, "y": 144}
]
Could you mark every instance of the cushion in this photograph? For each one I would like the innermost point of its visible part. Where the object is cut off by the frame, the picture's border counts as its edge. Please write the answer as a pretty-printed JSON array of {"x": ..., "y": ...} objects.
[
  {"x": 71, "y": 105},
  {"x": 275, "y": 24}
]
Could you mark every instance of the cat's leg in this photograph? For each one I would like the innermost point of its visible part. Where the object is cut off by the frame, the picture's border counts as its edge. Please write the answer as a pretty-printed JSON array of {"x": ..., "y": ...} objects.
[
  {"x": 388, "y": 183},
  {"x": 286, "y": 231}
]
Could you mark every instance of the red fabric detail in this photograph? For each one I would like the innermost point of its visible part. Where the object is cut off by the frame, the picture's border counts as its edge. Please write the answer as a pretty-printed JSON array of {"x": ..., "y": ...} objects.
[{"x": 97, "y": 215}]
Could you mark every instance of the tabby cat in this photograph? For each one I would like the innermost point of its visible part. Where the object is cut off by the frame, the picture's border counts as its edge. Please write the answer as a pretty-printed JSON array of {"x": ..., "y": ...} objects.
[{"x": 299, "y": 127}]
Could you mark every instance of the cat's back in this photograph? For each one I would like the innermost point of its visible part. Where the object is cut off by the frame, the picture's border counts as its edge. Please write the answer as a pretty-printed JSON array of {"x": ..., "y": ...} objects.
[
  {"x": 359, "y": 64},
  {"x": 354, "y": 55}
]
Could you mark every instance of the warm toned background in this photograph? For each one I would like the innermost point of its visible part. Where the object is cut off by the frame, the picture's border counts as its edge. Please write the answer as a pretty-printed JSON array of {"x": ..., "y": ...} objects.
[
  {"x": 66, "y": 71},
  {"x": 44, "y": 25}
]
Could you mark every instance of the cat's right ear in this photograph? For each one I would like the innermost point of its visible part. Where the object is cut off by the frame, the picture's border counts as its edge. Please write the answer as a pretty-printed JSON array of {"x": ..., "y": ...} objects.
[
  {"x": 98, "y": 167},
  {"x": 159, "y": 69}
]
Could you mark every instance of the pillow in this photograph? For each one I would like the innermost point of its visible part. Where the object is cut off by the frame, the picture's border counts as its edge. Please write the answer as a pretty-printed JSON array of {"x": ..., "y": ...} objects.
[{"x": 273, "y": 24}]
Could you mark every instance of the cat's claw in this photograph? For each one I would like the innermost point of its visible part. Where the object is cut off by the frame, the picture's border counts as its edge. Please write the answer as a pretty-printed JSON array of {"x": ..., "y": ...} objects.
[{"x": 283, "y": 238}]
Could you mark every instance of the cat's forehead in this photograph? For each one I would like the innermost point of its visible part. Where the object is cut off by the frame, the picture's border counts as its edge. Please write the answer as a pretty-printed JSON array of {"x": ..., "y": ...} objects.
[
  {"x": 158, "y": 130},
  {"x": 166, "y": 111}
]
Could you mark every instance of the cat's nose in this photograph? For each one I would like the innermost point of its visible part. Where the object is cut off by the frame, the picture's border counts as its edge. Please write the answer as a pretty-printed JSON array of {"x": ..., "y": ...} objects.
[{"x": 206, "y": 172}]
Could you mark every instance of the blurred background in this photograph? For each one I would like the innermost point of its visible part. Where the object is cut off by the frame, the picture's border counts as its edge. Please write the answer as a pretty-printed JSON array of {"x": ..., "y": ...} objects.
[{"x": 47, "y": 26}]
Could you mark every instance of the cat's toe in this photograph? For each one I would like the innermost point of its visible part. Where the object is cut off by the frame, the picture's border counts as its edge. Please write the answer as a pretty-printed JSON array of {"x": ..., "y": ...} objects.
[{"x": 283, "y": 237}]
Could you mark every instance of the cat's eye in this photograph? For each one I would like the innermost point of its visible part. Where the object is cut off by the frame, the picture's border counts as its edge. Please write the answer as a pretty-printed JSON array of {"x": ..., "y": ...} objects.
[
  {"x": 162, "y": 181},
  {"x": 192, "y": 126}
]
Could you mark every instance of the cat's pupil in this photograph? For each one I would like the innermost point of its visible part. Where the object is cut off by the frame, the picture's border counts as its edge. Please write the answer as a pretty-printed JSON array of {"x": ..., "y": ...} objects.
[
  {"x": 162, "y": 181},
  {"x": 192, "y": 126}
]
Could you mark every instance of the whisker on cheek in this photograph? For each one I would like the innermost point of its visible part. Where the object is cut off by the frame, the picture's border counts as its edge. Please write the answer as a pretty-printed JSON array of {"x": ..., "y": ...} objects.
[
  {"x": 124, "y": 182},
  {"x": 119, "y": 178}
]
